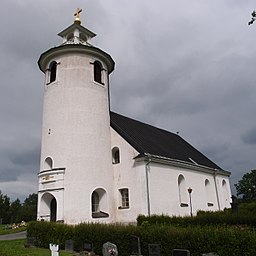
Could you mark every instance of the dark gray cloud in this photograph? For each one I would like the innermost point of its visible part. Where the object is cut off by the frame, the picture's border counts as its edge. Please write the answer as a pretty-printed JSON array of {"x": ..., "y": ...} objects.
[
  {"x": 250, "y": 136},
  {"x": 180, "y": 65}
]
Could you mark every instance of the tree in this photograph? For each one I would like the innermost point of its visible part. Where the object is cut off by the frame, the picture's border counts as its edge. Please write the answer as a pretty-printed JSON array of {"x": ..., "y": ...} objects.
[
  {"x": 15, "y": 211},
  {"x": 29, "y": 208},
  {"x": 246, "y": 187},
  {"x": 4, "y": 208}
]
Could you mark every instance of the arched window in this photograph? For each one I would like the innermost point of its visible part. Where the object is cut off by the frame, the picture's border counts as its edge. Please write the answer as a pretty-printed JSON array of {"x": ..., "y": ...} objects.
[
  {"x": 115, "y": 155},
  {"x": 53, "y": 71},
  {"x": 225, "y": 192},
  {"x": 183, "y": 194},
  {"x": 99, "y": 205},
  {"x": 209, "y": 193},
  {"x": 97, "y": 72},
  {"x": 48, "y": 163}
]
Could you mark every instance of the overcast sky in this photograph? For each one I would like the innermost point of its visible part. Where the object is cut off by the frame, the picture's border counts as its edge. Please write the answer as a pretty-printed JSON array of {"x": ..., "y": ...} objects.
[{"x": 187, "y": 66}]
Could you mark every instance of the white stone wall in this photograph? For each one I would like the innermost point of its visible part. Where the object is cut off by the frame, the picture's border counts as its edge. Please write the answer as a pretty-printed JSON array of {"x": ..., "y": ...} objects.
[
  {"x": 131, "y": 175},
  {"x": 76, "y": 134},
  {"x": 165, "y": 192},
  {"x": 208, "y": 192}
]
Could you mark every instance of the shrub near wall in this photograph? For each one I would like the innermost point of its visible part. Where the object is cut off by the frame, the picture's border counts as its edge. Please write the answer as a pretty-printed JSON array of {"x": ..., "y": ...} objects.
[
  {"x": 202, "y": 219},
  {"x": 222, "y": 240},
  {"x": 48, "y": 232}
]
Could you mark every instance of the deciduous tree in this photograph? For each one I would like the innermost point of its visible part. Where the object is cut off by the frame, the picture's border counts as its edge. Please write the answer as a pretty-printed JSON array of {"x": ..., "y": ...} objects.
[{"x": 246, "y": 187}]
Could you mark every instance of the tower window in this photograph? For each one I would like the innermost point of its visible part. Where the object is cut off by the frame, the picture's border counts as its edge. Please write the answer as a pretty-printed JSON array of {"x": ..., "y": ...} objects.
[
  {"x": 48, "y": 163},
  {"x": 115, "y": 155},
  {"x": 124, "y": 193},
  {"x": 53, "y": 71},
  {"x": 97, "y": 72}
]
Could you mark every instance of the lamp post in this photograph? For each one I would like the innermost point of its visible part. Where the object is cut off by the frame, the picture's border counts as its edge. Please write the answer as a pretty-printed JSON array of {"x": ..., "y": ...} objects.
[{"x": 189, "y": 192}]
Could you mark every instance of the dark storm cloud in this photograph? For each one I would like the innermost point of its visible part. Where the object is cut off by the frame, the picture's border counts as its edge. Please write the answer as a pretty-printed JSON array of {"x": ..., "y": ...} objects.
[
  {"x": 23, "y": 159},
  {"x": 250, "y": 136},
  {"x": 185, "y": 66}
]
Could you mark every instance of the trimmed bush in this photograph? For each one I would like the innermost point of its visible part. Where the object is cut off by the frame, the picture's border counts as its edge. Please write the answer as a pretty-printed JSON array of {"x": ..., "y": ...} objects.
[
  {"x": 202, "y": 219},
  {"x": 223, "y": 240}
]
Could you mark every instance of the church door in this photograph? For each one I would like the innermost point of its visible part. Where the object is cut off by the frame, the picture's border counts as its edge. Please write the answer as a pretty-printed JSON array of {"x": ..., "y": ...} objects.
[{"x": 53, "y": 210}]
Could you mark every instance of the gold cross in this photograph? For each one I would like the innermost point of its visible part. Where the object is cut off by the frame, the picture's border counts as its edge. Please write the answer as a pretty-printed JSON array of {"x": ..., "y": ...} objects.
[{"x": 77, "y": 14}]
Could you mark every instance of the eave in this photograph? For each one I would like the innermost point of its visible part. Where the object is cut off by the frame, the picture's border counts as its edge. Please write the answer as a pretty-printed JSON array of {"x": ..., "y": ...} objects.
[{"x": 181, "y": 164}]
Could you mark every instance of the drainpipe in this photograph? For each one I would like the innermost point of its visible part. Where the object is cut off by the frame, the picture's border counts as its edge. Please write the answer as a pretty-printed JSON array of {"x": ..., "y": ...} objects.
[
  {"x": 217, "y": 193},
  {"x": 147, "y": 169}
]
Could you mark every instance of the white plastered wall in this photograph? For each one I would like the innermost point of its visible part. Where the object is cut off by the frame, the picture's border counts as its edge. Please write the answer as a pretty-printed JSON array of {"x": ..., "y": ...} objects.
[
  {"x": 208, "y": 191},
  {"x": 164, "y": 190},
  {"x": 128, "y": 174},
  {"x": 76, "y": 135}
]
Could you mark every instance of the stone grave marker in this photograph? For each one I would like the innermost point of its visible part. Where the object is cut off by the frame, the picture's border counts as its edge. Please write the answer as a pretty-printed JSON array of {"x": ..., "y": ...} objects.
[
  {"x": 54, "y": 249},
  {"x": 109, "y": 249},
  {"x": 135, "y": 246},
  {"x": 88, "y": 246},
  {"x": 69, "y": 245},
  {"x": 154, "y": 250},
  {"x": 180, "y": 252},
  {"x": 31, "y": 241}
]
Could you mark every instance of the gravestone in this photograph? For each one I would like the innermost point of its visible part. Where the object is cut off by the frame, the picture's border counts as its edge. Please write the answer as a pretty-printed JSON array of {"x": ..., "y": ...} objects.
[
  {"x": 69, "y": 245},
  {"x": 109, "y": 249},
  {"x": 154, "y": 250},
  {"x": 31, "y": 241},
  {"x": 88, "y": 246},
  {"x": 135, "y": 246},
  {"x": 180, "y": 252},
  {"x": 54, "y": 249}
]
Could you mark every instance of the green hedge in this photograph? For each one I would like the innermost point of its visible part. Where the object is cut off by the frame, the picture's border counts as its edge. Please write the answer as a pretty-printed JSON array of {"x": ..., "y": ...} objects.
[
  {"x": 223, "y": 240},
  {"x": 202, "y": 219}
]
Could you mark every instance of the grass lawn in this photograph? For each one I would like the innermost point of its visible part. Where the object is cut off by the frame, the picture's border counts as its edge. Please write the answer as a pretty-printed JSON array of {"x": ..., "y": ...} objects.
[
  {"x": 16, "y": 247},
  {"x": 4, "y": 231}
]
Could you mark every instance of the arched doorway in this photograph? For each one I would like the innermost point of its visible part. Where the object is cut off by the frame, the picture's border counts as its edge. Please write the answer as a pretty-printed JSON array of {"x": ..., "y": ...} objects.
[
  {"x": 53, "y": 210},
  {"x": 48, "y": 207}
]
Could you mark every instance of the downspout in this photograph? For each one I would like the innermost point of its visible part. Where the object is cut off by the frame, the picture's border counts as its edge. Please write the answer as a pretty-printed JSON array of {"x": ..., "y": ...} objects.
[
  {"x": 217, "y": 193},
  {"x": 147, "y": 169}
]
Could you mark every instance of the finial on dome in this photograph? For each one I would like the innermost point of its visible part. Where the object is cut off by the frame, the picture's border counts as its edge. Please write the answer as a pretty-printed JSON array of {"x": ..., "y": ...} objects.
[{"x": 77, "y": 16}]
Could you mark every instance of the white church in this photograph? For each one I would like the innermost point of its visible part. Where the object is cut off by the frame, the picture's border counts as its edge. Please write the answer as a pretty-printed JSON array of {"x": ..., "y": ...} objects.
[{"x": 100, "y": 166}]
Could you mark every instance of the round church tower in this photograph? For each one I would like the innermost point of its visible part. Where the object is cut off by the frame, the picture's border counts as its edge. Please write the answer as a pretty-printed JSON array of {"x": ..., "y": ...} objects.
[{"x": 76, "y": 165}]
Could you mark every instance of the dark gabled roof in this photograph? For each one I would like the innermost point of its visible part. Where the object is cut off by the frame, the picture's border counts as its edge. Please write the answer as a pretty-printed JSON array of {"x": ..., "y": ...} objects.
[{"x": 147, "y": 139}]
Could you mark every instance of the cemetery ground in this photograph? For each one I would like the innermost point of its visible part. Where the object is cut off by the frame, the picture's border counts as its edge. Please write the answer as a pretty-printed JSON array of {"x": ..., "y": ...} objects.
[{"x": 17, "y": 247}]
